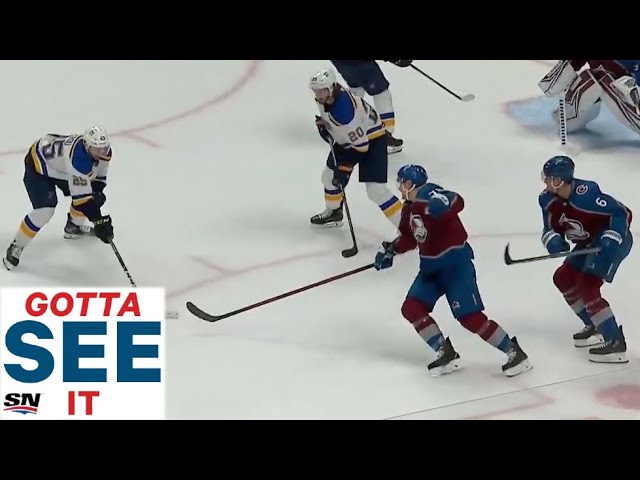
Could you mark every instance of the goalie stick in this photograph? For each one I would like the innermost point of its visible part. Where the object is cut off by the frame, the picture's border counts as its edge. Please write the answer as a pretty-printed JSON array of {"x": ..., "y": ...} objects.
[{"x": 216, "y": 318}]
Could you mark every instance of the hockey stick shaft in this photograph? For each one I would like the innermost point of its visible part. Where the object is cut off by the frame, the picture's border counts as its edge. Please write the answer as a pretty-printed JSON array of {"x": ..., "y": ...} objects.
[
  {"x": 466, "y": 98},
  {"x": 122, "y": 264},
  {"x": 510, "y": 261},
  {"x": 215, "y": 318},
  {"x": 169, "y": 314},
  {"x": 344, "y": 199}
]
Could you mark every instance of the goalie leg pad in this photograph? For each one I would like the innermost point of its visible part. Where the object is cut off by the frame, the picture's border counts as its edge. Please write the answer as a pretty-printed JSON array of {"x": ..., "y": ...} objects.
[
  {"x": 617, "y": 96},
  {"x": 583, "y": 101},
  {"x": 561, "y": 76}
]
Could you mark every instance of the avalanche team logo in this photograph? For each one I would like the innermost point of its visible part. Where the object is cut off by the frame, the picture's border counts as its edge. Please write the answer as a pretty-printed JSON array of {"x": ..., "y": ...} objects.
[
  {"x": 418, "y": 228},
  {"x": 573, "y": 229}
]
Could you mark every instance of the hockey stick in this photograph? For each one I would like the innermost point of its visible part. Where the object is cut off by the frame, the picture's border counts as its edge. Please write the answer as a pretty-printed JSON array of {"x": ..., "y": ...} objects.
[
  {"x": 565, "y": 146},
  {"x": 169, "y": 314},
  {"x": 353, "y": 251},
  {"x": 215, "y": 318},
  {"x": 465, "y": 98},
  {"x": 510, "y": 261}
]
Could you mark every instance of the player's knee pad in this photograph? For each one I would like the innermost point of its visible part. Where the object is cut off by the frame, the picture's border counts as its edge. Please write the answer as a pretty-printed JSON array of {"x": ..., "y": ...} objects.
[
  {"x": 41, "y": 216},
  {"x": 583, "y": 101},
  {"x": 414, "y": 310},
  {"x": 475, "y": 323},
  {"x": 357, "y": 91},
  {"x": 327, "y": 178},
  {"x": 566, "y": 277},
  {"x": 590, "y": 286}
]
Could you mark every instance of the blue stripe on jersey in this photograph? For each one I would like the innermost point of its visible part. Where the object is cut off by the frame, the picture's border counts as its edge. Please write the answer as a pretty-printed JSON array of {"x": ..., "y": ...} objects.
[{"x": 387, "y": 116}]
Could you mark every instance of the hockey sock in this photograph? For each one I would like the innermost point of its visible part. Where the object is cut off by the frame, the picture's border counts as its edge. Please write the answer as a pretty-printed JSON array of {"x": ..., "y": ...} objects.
[
  {"x": 419, "y": 315},
  {"x": 488, "y": 330},
  {"x": 598, "y": 308},
  {"x": 389, "y": 204},
  {"x": 384, "y": 106},
  {"x": 333, "y": 195},
  {"x": 31, "y": 225},
  {"x": 567, "y": 279},
  {"x": 77, "y": 217}
]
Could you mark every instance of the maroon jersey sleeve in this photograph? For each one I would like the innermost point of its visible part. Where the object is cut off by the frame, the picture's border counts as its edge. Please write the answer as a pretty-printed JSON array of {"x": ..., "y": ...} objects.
[{"x": 405, "y": 241}]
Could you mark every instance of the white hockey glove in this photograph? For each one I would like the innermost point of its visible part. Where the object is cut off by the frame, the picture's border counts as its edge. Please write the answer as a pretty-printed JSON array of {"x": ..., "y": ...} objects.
[
  {"x": 628, "y": 90},
  {"x": 558, "y": 79}
]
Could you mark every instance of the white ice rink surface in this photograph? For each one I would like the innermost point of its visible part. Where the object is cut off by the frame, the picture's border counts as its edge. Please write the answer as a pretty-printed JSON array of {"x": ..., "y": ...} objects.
[{"x": 214, "y": 177}]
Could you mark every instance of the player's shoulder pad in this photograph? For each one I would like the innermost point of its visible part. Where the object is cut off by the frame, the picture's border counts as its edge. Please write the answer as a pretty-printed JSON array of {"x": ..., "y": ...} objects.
[
  {"x": 425, "y": 192},
  {"x": 585, "y": 192},
  {"x": 80, "y": 158},
  {"x": 344, "y": 108},
  {"x": 545, "y": 198}
]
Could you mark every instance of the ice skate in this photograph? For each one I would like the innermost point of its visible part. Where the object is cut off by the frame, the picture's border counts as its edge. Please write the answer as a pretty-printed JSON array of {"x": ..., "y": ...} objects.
[
  {"x": 12, "y": 258},
  {"x": 613, "y": 351},
  {"x": 394, "y": 145},
  {"x": 448, "y": 360},
  {"x": 518, "y": 361},
  {"x": 587, "y": 337},
  {"x": 329, "y": 218},
  {"x": 73, "y": 231}
]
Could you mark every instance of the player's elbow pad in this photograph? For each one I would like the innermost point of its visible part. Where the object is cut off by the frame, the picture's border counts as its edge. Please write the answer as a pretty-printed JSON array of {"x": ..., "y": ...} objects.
[{"x": 612, "y": 235}]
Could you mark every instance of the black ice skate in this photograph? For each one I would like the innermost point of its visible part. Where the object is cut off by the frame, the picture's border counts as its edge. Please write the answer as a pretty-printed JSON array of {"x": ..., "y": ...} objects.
[
  {"x": 613, "y": 351},
  {"x": 448, "y": 360},
  {"x": 587, "y": 337},
  {"x": 394, "y": 145},
  {"x": 518, "y": 361},
  {"x": 328, "y": 218},
  {"x": 73, "y": 231},
  {"x": 12, "y": 258}
]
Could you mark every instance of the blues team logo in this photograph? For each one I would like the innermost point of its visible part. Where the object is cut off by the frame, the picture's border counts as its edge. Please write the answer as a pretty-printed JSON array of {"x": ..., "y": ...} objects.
[{"x": 82, "y": 353}]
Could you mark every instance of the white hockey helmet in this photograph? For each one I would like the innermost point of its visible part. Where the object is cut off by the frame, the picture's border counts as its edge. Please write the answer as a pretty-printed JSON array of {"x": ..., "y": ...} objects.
[
  {"x": 323, "y": 79},
  {"x": 97, "y": 139}
]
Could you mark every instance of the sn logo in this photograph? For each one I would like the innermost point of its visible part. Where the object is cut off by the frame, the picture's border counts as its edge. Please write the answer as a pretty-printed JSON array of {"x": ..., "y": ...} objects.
[{"x": 22, "y": 402}]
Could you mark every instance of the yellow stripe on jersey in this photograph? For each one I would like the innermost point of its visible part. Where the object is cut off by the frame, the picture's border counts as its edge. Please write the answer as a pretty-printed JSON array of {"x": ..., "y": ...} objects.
[
  {"x": 37, "y": 163},
  {"x": 376, "y": 132}
]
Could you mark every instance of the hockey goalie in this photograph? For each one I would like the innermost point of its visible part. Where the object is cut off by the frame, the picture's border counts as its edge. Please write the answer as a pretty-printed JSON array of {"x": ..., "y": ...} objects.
[{"x": 587, "y": 84}]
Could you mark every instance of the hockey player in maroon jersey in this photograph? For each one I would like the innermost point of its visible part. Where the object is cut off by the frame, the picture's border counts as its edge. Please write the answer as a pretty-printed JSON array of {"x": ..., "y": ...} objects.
[
  {"x": 578, "y": 211},
  {"x": 431, "y": 223},
  {"x": 587, "y": 84}
]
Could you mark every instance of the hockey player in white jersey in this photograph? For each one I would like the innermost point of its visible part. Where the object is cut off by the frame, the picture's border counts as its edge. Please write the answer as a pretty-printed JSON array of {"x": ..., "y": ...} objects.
[
  {"x": 588, "y": 84},
  {"x": 357, "y": 134},
  {"x": 78, "y": 166}
]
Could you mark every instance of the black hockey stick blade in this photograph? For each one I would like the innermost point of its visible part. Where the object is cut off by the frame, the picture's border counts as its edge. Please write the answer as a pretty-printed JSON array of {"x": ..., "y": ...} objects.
[
  {"x": 510, "y": 261},
  {"x": 350, "y": 252},
  {"x": 216, "y": 318}
]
